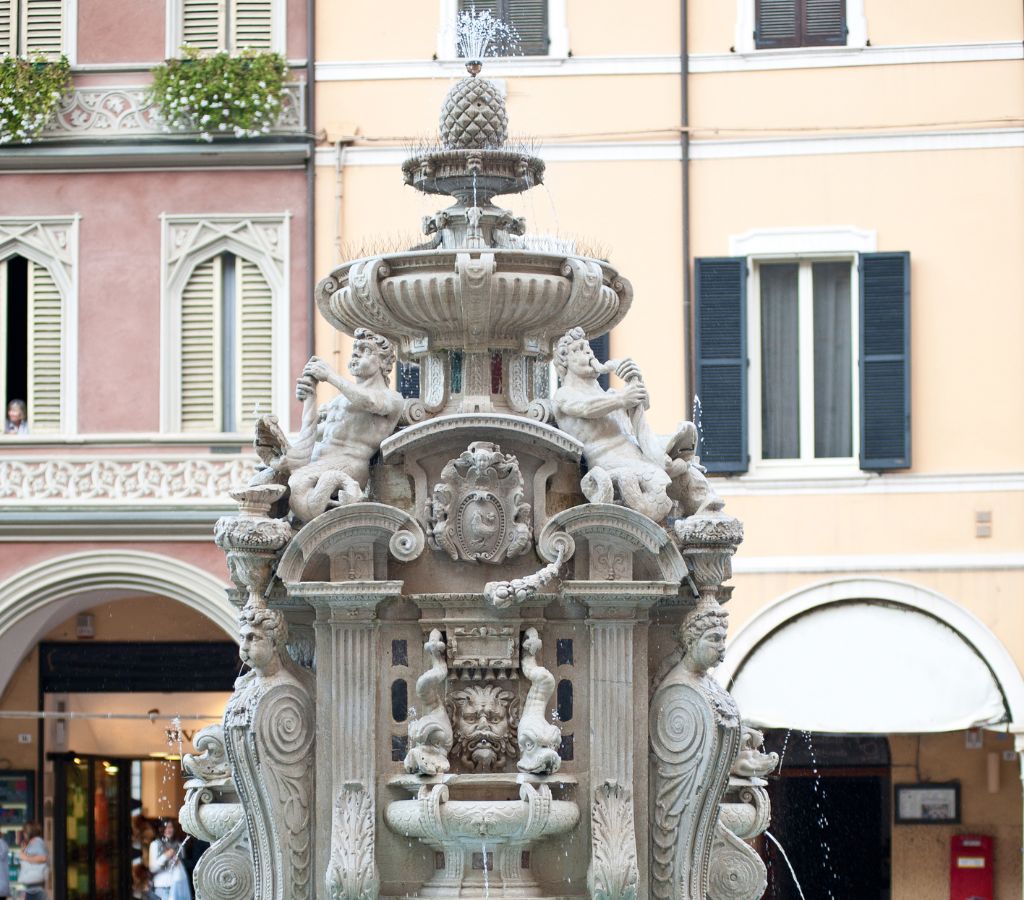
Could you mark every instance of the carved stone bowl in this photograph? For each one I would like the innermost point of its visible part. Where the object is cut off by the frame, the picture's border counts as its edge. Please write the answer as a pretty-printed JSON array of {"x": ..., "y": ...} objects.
[
  {"x": 475, "y": 177},
  {"x": 474, "y": 300},
  {"x": 479, "y": 833}
]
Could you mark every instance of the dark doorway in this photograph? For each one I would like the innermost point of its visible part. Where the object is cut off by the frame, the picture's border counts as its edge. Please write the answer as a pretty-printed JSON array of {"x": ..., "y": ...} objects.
[{"x": 830, "y": 811}]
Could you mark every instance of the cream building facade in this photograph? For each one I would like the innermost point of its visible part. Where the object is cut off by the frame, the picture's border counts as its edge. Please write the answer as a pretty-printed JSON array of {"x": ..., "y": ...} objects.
[{"x": 819, "y": 207}]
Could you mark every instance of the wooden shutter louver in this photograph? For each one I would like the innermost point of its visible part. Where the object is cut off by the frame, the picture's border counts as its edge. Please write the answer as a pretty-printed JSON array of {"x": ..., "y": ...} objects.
[
  {"x": 721, "y": 342},
  {"x": 203, "y": 24},
  {"x": 778, "y": 24},
  {"x": 528, "y": 17},
  {"x": 255, "y": 345},
  {"x": 45, "y": 340},
  {"x": 200, "y": 348},
  {"x": 252, "y": 24},
  {"x": 824, "y": 23},
  {"x": 8, "y": 28},
  {"x": 885, "y": 361},
  {"x": 42, "y": 27}
]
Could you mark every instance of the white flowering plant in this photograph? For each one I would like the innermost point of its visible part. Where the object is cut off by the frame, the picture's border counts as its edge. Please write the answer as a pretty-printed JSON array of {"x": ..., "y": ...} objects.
[
  {"x": 31, "y": 91},
  {"x": 220, "y": 94}
]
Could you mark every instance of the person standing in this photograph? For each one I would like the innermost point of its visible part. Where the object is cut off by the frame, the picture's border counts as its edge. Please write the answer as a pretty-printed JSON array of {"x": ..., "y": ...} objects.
[
  {"x": 164, "y": 862},
  {"x": 5, "y": 872},
  {"x": 35, "y": 865}
]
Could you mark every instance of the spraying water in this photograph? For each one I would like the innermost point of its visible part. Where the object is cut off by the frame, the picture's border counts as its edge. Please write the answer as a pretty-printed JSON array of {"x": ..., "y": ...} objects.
[
  {"x": 785, "y": 856},
  {"x": 487, "y": 880},
  {"x": 478, "y": 34}
]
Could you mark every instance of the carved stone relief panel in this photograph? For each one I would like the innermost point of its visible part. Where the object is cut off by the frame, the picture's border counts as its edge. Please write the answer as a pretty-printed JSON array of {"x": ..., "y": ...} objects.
[
  {"x": 484, "y": 721},
  {"x": 473, "y": 648},
  {"x": 478, "y": 512}
]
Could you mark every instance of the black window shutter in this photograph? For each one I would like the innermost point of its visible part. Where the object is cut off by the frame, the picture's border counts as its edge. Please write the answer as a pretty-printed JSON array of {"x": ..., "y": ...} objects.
[
  {"x": 600, "y": 347},
  {"x": 409, "y": 380},
  {"x": 824, "y": 23},
  {"x": 885, "y": 361},
  {"x": 778, "y": 24},
  {"x": 528, "y": 17},
  {"x": 721, "y": 339}
]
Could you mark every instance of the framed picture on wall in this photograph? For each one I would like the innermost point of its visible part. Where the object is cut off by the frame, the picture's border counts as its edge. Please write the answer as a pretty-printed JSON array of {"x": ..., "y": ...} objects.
[{"x": 928, "y": 804}]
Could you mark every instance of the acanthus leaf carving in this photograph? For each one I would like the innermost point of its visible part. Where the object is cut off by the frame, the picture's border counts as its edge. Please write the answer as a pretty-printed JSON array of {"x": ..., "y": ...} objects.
[
  {"x": 613, "y": 873},
  {"x": 352, "y": 870}
]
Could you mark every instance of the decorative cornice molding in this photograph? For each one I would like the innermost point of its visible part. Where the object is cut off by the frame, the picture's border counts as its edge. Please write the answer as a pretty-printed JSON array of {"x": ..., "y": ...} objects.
[
  {"x": 807, "y": 483},
  {"x": 118, "y": 111},
  {"x": 746, "y": 148},
  {"x": 120, "y": 523},
  {"x": 877, "y": 562},
  {"x": 668, "y": 64},
  {"x": 89, "y": 481}
]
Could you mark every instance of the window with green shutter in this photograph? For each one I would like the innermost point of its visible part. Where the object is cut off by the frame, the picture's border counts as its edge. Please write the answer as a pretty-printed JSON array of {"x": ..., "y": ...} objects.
[
  {"x": 528, "y": 17},
  {"x": 825, "y": 379},
  {"x": 799, "y": 23},
  {"x": 32, "y": 27},
  {"x": 31, "y": 336}
]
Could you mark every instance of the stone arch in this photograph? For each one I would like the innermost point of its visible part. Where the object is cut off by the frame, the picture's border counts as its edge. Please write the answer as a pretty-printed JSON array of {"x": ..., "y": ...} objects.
[
  {"x": 757, "y": 633},
  {"x": 35, "y": 599}
]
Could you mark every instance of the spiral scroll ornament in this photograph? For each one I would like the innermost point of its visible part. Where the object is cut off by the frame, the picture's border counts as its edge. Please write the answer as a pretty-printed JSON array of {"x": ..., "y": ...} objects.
[
  {"x": 737, "y": 872},
  {"x": 284, "y": 723},
  {"x": 678, "y": 731},
  {"x": 225, "y": 870}
]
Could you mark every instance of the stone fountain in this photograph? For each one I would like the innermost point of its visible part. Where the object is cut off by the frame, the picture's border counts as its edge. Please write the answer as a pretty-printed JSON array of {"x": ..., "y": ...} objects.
[{"x": 478, "y": 622}]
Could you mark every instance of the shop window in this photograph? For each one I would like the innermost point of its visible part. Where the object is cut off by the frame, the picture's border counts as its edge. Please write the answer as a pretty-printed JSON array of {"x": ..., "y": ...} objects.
[
  {"x": 827, "y": 341},
  {"x": 31, "y": 27}
]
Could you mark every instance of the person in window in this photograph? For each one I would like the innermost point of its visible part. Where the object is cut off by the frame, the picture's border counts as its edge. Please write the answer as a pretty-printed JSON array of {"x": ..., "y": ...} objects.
[
  {"x": 17, "y": 418},
  {"x": 34, "y": 863},
  {"x": 164, "y": 862}
]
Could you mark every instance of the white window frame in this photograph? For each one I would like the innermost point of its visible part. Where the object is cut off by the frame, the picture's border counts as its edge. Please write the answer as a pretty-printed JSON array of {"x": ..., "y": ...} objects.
[
  {"x": 558, "y": 31},
  {"x": 186, "y": 242},
  {"x": 52, "y": 242},
  {"x": 804, "y": 246},
  {"x": 746, "y": 22},
  {"x": 175, "y": 29}
]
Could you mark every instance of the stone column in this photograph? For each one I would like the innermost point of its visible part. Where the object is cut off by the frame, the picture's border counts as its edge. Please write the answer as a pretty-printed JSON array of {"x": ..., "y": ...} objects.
[
  {"x": 346, "y": 705},
  {"x": 618, "y": 731}
]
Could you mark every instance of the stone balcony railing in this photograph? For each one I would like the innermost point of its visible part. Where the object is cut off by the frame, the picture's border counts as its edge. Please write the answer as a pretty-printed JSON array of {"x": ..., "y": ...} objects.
[{"x": 126, "y": 111}]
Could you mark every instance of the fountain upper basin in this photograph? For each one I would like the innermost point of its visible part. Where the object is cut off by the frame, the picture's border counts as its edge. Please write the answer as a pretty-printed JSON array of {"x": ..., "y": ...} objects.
[{"x": 475, "y": 300}]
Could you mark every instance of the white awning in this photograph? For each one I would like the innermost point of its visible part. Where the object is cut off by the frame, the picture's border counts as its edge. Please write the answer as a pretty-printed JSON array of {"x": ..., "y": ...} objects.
[{"x": 867, "y": 667}]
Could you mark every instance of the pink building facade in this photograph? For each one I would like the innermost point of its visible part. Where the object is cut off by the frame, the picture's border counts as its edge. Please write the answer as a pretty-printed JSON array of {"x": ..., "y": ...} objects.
[{"x": 154, "y": 296}]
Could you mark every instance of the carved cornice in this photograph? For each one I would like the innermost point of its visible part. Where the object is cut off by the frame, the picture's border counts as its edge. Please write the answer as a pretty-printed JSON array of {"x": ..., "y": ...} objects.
[
  {"x": 127, "y": 111},
  {"x": 344, "y": 602},
  {"x": 114, "y": 480},
  {"x": 625, "y": 600},
  {"x": 463, "y": 428}
]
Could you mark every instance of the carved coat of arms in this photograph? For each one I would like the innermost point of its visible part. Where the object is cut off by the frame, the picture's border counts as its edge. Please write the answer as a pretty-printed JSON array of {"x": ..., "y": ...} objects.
[{"x": 478, "y": 512}]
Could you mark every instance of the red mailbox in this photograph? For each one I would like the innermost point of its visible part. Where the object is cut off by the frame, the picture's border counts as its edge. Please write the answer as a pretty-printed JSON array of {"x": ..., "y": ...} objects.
[{"x": 970, "y": 867}]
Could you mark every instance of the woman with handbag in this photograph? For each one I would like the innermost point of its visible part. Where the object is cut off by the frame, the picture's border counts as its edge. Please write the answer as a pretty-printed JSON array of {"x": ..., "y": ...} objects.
[{"x": 35, "y": 866}]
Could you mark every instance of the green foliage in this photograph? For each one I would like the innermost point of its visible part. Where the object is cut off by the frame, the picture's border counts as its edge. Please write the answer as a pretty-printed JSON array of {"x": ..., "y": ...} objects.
[
  {"x": 30, "y": 93},
  {"x": 239, "y": 95}
]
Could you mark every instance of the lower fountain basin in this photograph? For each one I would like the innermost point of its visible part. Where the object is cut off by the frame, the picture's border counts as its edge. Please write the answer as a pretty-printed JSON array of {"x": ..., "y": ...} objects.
[{"x": 484, "y": 842}]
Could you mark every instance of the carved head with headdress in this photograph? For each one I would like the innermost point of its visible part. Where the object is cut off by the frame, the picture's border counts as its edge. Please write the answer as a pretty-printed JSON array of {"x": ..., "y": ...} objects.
[
  {"x": 702, "y": 637},
  {"x": 369, "y": 342},
  {"x": 564, "y": 346},
  {"x": 484, "y": 718},
  {"x": 262, "y": 636}
]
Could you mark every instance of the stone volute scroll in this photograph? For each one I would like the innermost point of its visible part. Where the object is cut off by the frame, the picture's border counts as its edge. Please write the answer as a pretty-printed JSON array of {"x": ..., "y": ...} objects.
[{"x": 269, "y": 728}]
